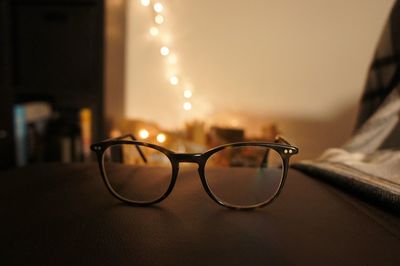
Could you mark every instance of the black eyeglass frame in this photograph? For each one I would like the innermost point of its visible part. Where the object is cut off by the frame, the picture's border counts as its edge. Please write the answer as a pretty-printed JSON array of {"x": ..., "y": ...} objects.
[{"x": 280, "y": 145}]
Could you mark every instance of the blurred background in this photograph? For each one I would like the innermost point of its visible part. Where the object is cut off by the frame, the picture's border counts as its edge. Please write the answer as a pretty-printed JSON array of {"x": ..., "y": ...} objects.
[{"x": 185, "y": 74}]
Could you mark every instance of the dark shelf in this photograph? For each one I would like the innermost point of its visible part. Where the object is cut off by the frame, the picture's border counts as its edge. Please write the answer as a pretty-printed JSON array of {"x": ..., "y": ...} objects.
[{"x": 52, "y": 51}]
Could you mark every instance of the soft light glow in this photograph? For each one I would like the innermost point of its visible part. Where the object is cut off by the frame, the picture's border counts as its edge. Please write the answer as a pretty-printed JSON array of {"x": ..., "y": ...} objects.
[
  {"x": 154, "y": 31},
  {"x": 158, "y": 7},
  {"x": 164, "y": 50},
  {"x": 234, "y": 123},
  {"x": 159, "y": 19},
  {"x": 114, "y": 133},
  {"x": 187, "y": 106},
  {"x": 187, "y": 94},
  {"x": 172, "y": 59},
  {"x": 174, "y": 80},
  {"x": 144, "y": 134},
  {"x": 145, "y": 2},
  {"x": 161, "y": 138}
]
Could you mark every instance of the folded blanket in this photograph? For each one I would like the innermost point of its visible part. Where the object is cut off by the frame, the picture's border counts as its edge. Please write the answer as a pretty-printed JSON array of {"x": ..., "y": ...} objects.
[
  {"x": 360, "y": 164},
  {"x": 375, "y": 175},
  {"x": 384, "y": 164}
]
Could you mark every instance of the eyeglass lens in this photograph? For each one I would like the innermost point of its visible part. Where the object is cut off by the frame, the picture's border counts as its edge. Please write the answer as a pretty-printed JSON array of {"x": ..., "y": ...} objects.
[
  {"x": 244, "y": 175},
  {"x": 133, "y": 178}
]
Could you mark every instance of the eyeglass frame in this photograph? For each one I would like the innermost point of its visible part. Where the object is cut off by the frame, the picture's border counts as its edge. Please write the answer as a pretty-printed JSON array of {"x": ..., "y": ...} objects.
[{"x": 280, "y": 145}]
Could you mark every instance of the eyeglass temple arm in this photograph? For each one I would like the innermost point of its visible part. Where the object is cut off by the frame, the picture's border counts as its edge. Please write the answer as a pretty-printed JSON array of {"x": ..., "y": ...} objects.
[
  {"x": 132, "y": 137},
  {"x": 278, "y": 139}
]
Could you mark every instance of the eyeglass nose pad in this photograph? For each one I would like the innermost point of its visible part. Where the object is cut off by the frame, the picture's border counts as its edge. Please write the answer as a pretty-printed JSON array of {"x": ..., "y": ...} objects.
[{"x": 200, "y": 170}]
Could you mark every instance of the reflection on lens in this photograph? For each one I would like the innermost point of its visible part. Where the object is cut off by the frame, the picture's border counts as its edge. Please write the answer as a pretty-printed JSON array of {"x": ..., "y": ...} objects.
[
  {"x": 136, "y": 172},
  {"x": 244, "y": 176}
]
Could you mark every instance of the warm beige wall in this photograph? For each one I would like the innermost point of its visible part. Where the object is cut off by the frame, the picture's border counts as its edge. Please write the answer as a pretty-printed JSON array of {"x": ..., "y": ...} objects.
[{"x": 301, "y": 64}]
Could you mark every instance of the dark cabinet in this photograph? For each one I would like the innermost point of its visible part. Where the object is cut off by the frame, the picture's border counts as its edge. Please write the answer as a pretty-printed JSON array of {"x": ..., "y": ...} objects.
[
  {"x": 56, "y": 49},
  {"x": 6, "y": 93},
  {"x": 52, "y": 51}
]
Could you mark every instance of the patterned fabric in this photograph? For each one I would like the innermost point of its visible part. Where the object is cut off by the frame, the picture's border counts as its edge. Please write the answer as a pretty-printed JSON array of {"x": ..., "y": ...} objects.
[
  {"x": 384, "y": 73},
  {"x": 361, "y": 163},
  {"x": 369, "y": 163}
]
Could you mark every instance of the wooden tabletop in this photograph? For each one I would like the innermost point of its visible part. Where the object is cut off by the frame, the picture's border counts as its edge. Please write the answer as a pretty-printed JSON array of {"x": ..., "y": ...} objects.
[{"x": 55, "y": 214}]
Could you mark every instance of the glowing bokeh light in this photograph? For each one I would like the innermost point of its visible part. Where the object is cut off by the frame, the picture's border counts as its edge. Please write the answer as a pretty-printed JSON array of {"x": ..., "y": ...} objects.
[
  {"x": 159, "y": 19},
  {"x": 158, "y": 7},
  {"x": 144, "y": 134},
  {"x": 172, "y": 59},
  {"x": 154, "y": 31},
  {"x": 164, "y": 50},
  {"x": 187, "y": 94},
  {"x": 161, "y": 138},
  {"x": 145, "y": 2},
  {"x": 174, "y": 80},
  {"x": 187, "y": 106}
]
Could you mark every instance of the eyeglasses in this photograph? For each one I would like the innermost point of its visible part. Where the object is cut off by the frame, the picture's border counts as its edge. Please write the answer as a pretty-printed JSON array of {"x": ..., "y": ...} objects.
[{"x": 242, "y": 175}]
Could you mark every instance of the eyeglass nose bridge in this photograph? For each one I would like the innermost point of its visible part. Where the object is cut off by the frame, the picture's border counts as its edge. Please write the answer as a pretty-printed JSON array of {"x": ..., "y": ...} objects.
[{"x": 189, "y": 157}]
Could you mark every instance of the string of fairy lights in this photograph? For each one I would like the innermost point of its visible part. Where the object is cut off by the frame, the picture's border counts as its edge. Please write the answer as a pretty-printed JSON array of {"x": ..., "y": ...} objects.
[{"x": 156, "y": 31}]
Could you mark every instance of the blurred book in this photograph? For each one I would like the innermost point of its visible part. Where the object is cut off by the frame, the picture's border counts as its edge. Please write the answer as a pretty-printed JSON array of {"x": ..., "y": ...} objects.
[
  {"x": 218, "y": 136},
  {"x": 65, "y": 136},
  {"x": 86, "y": 131},
  {"x": 29, "y": 129},
  {"x": 41, "y": 134},
  {"x": 20, "y": 135}
]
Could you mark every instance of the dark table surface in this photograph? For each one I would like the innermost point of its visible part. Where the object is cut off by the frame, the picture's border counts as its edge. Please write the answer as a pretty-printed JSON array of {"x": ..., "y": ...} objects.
[{"x": 54, "y": 214}]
